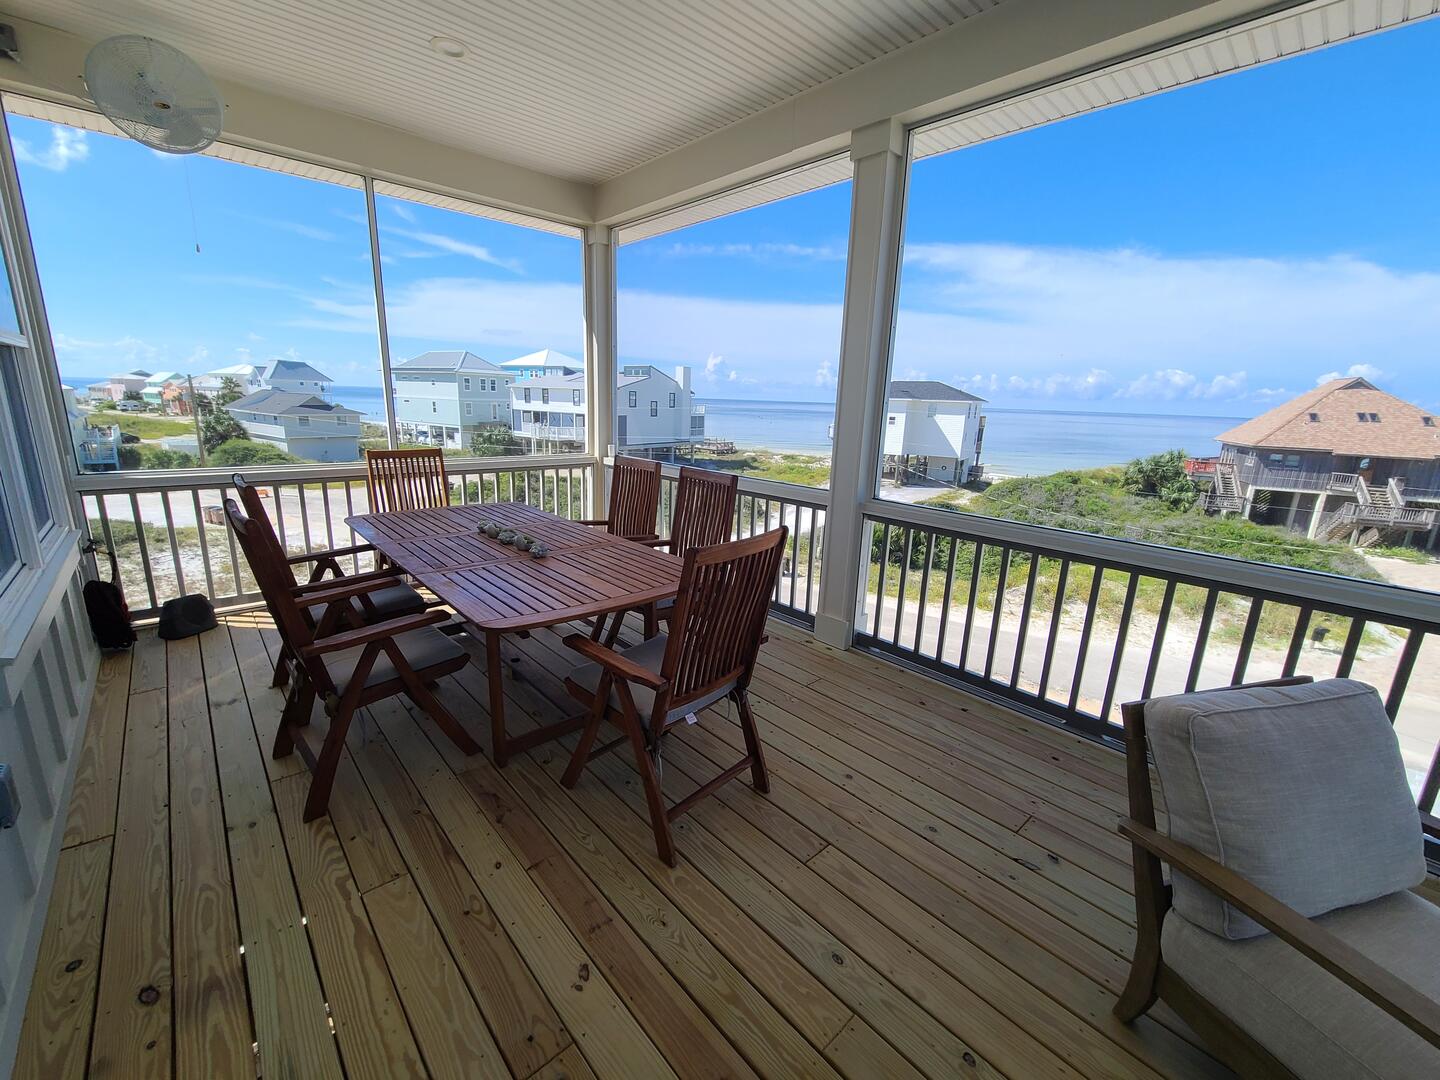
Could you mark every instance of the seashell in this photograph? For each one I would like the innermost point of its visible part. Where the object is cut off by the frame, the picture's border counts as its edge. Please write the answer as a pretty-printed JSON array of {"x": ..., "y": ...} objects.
[{"x": 538, "y": 550}]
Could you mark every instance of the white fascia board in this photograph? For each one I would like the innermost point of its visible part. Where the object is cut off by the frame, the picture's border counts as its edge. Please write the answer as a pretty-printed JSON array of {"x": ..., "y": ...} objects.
[
  {"x": 52, "y": 63},
  {"x": 1009, "y": 49}
]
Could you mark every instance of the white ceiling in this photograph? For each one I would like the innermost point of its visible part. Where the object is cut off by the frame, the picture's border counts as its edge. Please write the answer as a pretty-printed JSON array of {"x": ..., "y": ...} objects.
[{"x": 575, "y": 88}]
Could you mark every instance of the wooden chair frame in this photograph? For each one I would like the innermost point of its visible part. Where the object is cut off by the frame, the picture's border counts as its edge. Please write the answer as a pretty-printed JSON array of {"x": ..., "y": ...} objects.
[
  {"x": 704, "y": 514},
  {"x": 634, "y": 499},
  {"x": 1151, "y": 979},
  {"x": 309, "y": 643},
  {"x": 719, "y": 622},
  {"x": 406, "y": 480},
  {"x": 327, "y": 561}
]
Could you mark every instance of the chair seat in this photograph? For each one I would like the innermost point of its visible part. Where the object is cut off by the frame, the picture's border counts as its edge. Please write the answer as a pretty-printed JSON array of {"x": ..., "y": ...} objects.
[
  {"x": 649, "y": 655},
  {"x": 390, "y": 603},
  {"x": 425, "y": 649},
  {"x": 1315, "y": 1024}
]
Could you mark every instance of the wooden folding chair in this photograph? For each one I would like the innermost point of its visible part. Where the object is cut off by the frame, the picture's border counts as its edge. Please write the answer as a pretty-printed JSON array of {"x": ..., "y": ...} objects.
[
  {"x": 394, "y": 598},
  {"x": 634, "y": 499},
  {"x": 717, "y": 628},
  {"x": 346, "y": 669},
  {"x": 703, "y": 514},
  {"x": 634, "y": 513},
  {"x": 406, "y": 480}
]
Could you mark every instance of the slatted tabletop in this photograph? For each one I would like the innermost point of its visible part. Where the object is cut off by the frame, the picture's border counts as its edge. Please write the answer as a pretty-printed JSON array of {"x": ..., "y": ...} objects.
[
  {"x": 499, "y": 590},
  {"x": 496, "y": 587}
]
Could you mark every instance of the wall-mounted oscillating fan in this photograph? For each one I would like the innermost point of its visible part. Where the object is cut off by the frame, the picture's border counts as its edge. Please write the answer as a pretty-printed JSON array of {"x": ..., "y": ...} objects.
[{"x": 154, "y": 93}]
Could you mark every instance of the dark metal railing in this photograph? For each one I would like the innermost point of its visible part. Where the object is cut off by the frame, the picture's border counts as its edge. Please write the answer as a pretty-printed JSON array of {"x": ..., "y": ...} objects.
[
  {"x": 762, "y": 505},
  {"x": 1070, "y": 625}
]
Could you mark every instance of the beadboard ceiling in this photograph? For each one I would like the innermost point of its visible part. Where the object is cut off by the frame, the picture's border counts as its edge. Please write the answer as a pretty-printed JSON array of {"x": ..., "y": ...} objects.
[{"x": 574, "y": 88}]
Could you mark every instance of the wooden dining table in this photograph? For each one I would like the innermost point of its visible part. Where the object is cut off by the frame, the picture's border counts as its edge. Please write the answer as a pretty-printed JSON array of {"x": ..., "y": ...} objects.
[{"x": 587, "y": 573}]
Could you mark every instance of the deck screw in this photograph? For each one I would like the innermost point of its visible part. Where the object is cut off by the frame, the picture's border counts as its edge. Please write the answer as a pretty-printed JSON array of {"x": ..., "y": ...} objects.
[{"x": 74, "y": 965}]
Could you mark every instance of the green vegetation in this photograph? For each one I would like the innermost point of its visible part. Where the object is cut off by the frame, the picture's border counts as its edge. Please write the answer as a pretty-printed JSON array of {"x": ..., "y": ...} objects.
[
  {"x": 143, "y": 427},
  {"x": 811, "y": 470},
  {"x": 245, "y": 451},
  {"x": 1163, "y": 477},
  {"x": 221, "y": 427},
  {"x": 150, "y": 456}
]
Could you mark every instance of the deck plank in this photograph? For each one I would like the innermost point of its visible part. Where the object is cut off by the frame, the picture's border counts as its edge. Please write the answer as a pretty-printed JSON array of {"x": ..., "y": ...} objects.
[
  {"x": 97, "y": 772},
  {"x": 55, "y": 1038},
  {"x": 133, "y": 1031},
  {"x": 213, "y": 1035},
  {"x": 287, "y": 1003},
  {"x": 448, "y": 1027}
]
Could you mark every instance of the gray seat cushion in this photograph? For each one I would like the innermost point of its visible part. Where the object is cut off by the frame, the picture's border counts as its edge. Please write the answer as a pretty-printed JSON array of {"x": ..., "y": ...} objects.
[
  {"x": 390, "y": 602},
  {"x": 650, "y": 655},
  {"x": 423, "y": 648},
  {"x": 1310, "y": 1020},
  {"x": 1300, "y": 790}
]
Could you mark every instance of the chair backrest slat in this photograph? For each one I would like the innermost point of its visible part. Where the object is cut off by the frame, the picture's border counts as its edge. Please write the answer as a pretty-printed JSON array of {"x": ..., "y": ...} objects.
[
  {"x": 704, "y": 509},
  {"x": 272, "y": 571},
  {"x": 720, "y": 614},
  {"x": 406, "y": 480},
  {"x": 634, "y": 496}
]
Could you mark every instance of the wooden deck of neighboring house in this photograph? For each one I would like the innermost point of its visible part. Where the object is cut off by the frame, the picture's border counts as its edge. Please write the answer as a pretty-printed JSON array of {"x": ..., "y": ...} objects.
[{"x": 934, "y": 887}]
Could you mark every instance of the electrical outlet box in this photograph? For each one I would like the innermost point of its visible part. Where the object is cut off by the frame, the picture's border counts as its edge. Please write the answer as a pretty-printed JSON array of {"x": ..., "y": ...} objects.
[{"x": 9, "y": 797}]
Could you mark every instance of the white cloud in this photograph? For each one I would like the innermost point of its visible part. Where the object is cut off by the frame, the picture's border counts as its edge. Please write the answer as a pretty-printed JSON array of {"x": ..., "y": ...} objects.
[
  {"x": 712, "y": 365},
  {"x": 767, "y": 250},
  {"x": 1172, "y": 384},
  {"x": 825, "y": 374},
  {"x": 400, "y": 210},
  {"x": 67, "y": 147},
  {"x": 1354, "y": 371},
  {"x": 732, "y": 376},
  {"x": 1086, "y": 385},
  {"x": 451, "y": 246},
  {"x": 122, "y": 351},
  {"x": 299, "y": 228}
]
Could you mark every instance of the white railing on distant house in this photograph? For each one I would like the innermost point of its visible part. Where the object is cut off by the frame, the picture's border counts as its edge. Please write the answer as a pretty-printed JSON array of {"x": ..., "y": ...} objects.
[
  {"x": 168, "y": 527},
  {"x": 1069, "y": 625}
]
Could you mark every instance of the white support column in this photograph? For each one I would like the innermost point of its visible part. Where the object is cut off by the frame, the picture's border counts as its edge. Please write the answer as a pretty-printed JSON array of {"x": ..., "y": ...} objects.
[
  {"x": 599, "y": 355},
  {"x": 876, "y": 204},
  {"x": 382, "y": 328}
]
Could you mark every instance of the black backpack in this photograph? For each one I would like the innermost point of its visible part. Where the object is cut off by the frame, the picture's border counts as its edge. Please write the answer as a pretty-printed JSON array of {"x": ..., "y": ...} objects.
[{"x": 105, "y": 604}]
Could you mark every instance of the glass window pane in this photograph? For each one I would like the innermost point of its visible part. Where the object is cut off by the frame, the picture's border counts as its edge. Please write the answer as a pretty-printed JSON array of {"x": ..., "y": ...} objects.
[
  {"x": 9, "y": 556},
  {"x": 483, "y": 316},
  {"x": 1173, "y": 330},
  {"x": 183, "y": 284},
  {"x": 20, "y": 420},
  {"x": 737, "y": 321}
]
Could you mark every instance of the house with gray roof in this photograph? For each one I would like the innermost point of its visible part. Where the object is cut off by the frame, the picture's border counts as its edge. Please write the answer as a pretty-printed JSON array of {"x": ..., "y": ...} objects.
[
  {"x": 296, "y": 377},
  {"x": 442, "y": 398},
  {"x": 305, "y": 425},
  {"x": 933, "y": 432}
]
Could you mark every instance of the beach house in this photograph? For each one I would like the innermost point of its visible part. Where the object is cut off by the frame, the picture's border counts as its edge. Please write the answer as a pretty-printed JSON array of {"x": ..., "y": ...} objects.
[
  {"x": 1344, "y": 460},
  {"x": 442, "y": 398},
  {"x": 655, "y": 413},
  {"x": 305, "y": 425},
  {"x": 116, "y": 386},
  {"x": 296, "y": 377},
  {"x": 248, "y": 377},
  {"x": 933, "y": 433},
  {"x": 546, "y": 362},
  {"x": 97, "y": 447}
]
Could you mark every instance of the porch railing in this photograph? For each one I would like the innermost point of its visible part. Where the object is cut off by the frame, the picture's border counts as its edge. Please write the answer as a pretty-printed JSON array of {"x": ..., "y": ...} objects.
[
  {"x": 169, "y": 532},
  {"x": 1070, "y": 625},
  {"x": 763, "y": 505}
]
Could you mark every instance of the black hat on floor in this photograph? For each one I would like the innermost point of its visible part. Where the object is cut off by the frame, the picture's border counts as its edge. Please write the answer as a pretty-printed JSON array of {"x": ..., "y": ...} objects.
[{"x": 186, "y": 616}]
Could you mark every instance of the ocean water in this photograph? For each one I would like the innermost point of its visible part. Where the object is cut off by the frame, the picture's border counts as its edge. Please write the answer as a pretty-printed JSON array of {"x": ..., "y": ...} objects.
[{"x": 1018, "y": 442}]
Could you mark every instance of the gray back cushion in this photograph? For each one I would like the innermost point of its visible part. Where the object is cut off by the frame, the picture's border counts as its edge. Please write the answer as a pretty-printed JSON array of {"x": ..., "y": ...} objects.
[{"x": 1299, "y": 789}]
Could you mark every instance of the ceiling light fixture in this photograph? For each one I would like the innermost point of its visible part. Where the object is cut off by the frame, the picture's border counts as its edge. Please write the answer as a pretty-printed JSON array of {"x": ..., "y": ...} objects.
[{"x": 450, "y": 47}]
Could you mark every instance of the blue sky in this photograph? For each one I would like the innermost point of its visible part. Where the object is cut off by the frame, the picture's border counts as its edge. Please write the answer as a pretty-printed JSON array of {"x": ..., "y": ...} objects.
[{"x": 1209, "y": 251}]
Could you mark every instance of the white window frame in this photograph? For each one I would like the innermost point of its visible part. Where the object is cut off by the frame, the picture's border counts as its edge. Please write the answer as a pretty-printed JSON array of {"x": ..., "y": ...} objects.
[
  {"x": 469, "y": 406},
  {"x": 465, "y": 379}
]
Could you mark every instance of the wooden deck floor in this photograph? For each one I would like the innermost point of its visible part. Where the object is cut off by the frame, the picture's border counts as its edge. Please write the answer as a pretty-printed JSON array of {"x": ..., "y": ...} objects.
[{"x": 934, "y": 887}]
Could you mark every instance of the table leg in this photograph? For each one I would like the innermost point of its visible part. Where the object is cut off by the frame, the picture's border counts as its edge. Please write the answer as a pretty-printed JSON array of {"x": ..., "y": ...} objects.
[{"x": 499, "y": 748}]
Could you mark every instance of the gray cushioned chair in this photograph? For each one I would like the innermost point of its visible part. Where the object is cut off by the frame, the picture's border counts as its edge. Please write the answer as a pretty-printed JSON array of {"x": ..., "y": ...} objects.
[{"x": 1288, "y": 936}]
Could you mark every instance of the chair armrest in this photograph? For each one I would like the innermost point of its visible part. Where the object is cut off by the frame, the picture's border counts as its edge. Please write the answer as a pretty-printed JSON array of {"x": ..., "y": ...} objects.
[
  {"x": 330, "y": 553},
  {"x": 1430, "y": 825},
  {"x": 378, "y": 632},
  {"x": 341, "y": 589},
  {"x": 595, "y": 521},
  {"x": 1398, "y": 998},
  {"x": 644, "y": 538},
  {"x": 386, "y": 576},
  {"x": 656, "y": 543},
  {"x": 616, "y": 662}
]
